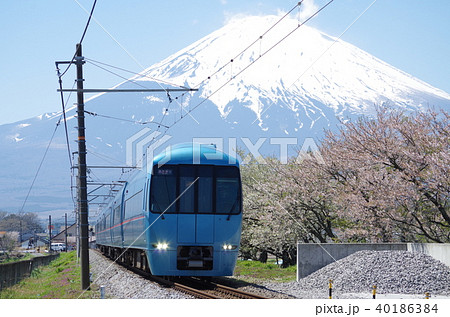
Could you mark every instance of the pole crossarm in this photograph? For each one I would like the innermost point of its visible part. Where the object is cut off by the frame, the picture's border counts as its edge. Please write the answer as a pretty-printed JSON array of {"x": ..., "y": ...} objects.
[
  {"x": 118, "y": 183},
  {"x": 126, "y": 90},
  {"x": 106, "y": 166}
]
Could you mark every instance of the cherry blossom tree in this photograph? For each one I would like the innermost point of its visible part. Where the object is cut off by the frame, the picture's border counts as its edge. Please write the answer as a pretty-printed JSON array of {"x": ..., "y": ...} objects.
[
  {"x": 382, "y": 179},
  {"x": 393, "y": 173}
]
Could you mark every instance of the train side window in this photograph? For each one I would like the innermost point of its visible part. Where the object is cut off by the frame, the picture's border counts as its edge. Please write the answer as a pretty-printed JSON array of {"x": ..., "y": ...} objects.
[
  {"x": 133, "y": 205},
  {"x": 117, "y": 214}
]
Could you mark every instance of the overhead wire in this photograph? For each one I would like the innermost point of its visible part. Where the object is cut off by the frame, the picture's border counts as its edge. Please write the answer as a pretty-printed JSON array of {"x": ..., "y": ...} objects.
[
  {"x": 40, "y": 165},
  {"x": 82, "y": 37},
  {"x": 232, "y": 77},
  {"x": 245, "y": 68},
  {"x": 60, "y": 76},
  {"x": 254, "y": 61},
  {"x": 249, "y": 46},
  {"x": 94, "y": 62},
  {"x": 321, "y": 55},
  {"x": 123, "y": 48},
  {"x": 121, "y": 119},
  {"x": 64, "y": 104}
]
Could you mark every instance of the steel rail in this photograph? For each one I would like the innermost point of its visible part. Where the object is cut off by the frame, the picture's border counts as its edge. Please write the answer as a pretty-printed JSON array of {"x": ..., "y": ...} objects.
[{"x": 194, "y": 286}]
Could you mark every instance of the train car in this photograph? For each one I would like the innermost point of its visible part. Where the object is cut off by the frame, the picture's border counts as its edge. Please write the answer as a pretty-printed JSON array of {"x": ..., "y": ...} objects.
[{"x": 182, "y": 218}]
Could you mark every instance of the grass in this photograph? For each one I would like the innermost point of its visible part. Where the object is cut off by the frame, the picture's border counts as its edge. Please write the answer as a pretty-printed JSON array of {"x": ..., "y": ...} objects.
[
  {"x": 252, "y": 271},
  {"x": 16, "y": 258},
  {"x": 60, "y": 279}
]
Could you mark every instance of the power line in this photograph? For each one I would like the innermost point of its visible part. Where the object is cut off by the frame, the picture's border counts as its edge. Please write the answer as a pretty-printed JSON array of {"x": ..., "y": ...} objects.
[
  {"x": 321, "y": 55},
  {"x": 82, "y": 37},
  {"x": 123, "y": 48},
  {"x": 94, "y": 62},
  {"x": 40, "y": 164},
  {"x": 249, "y": 46},
  {"x": 63, "y": 104},
  {"x": 257, "y": 59},
  {"x": 121, "y": 119},
  {"x": 231, "y": 61}
]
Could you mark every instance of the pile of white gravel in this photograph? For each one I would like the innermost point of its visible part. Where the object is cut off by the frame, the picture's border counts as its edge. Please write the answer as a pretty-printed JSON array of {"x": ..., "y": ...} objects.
[{"x": 393, "y": 272}]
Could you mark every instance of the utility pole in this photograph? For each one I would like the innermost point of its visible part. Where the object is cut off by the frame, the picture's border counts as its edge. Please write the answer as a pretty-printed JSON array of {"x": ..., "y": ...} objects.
[
  {"x": 82, "y": 180},
  {"x": 49, "y": 233},
  {"x": 82, "y": 195},
  {"x": 65, "y": 223}
]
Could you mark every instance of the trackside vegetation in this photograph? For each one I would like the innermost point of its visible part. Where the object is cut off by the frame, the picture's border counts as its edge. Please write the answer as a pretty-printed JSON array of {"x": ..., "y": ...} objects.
[
  {"x": 374, "y": 180},
  {"x": 59, "y": 280},
  {"x": 254, "y": 271}
]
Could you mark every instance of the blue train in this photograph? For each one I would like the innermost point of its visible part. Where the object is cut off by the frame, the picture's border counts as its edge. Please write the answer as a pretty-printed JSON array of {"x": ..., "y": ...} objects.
[{"x": 182, "y": 218}]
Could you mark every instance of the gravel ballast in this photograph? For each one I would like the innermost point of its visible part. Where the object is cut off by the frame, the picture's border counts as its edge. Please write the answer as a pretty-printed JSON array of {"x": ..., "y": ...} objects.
[{"x": 122, "y": 283}]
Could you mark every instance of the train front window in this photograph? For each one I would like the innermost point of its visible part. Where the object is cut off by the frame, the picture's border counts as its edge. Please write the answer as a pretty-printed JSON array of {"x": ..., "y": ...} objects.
[
  {"x": 228, "y": 190},
  {"x": 163, "y": 190},
  {"x": 192, "y": 189},
  {"x": 205, "y": 189},
  {"x": 187, "y": 187}
]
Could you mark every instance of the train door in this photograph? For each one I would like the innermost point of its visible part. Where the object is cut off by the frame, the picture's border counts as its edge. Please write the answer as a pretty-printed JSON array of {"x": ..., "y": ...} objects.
[
  {"x": 195, "y": 223},
  {"x": 186, "y": 220},
  {"x": 205, "y": 197}
]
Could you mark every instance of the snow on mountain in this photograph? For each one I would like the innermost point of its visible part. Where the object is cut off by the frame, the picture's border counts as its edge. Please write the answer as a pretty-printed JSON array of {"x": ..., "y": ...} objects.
[
  {"x": 307, "y": 69},
  {"x": 303, "y": 85}
]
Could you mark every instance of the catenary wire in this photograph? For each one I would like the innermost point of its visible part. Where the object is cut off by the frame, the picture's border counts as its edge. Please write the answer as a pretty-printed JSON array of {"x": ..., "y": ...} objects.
[
  {"x": 133, "y": 73},
  {"x": 63, "y": 105},
  {"x": 125, "y": 120},
  {"x": 249, "y": 46},
  {"x": 40, "y": 164},
  {"x": 245, "y": 68},
  {"x": 252, "y": 63},
  {"x": 124, "y": 49},
  {"x": 82, "y": 37},
  {"x": 321, "y": 55},
  {"x": 241, "y": 71}
]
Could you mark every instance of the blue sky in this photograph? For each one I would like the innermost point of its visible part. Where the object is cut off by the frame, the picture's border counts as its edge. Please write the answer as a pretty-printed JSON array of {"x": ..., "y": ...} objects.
[{"x": 412, "y": 35}]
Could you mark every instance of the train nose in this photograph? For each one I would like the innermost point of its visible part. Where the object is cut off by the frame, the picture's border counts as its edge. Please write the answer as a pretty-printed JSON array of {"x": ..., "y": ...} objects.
[
  {"x": 194, "y": 258},
  {"x": 195, "y": 253}
]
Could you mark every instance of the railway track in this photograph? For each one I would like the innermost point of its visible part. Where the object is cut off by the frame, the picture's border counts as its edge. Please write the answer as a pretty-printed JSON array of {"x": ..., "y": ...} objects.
[
  {"x": 213, "y": 290},
  {"x": 198, "y": 288}
]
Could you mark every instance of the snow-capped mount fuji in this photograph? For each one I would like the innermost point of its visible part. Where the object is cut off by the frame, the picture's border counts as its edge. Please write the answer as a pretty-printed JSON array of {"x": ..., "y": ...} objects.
[
  {"x": 301, "y": 86},
  {"x": 309, "y": 73}
]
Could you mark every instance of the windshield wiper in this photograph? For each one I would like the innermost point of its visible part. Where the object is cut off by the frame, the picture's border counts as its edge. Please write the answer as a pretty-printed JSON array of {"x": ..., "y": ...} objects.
[
  {"x": 159, "y": 207},
  {"x": 232, "y": 208}
]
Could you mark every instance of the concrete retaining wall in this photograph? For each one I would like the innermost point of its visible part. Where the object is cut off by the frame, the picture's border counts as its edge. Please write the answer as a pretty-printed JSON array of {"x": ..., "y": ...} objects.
[
  {"x": 12, "y": 273},
  {"x": 313, "y": 256}
]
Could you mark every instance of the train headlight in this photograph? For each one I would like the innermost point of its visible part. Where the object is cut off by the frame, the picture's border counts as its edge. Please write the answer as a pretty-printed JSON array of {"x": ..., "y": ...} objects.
[
  {"x": 161, "y": 246},
  {"x": 229, "y": 247}
]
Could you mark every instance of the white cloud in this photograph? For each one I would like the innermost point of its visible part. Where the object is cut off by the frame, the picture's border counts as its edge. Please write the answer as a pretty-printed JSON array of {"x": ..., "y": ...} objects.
[{"x": 307, "y": 8}]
